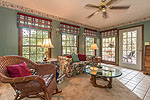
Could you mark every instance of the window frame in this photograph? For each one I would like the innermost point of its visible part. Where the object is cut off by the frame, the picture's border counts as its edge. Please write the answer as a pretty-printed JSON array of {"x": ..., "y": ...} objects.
[
  {"x": 20, "y": 47},
  {"x": 107, "y": 61},
  {"x": 77, "y": 37},
  {"x": 116, "y": 35}
]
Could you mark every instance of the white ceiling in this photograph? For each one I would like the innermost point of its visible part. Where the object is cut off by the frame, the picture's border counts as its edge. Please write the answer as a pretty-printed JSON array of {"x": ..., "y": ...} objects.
[{"x": 74, "y": 10}]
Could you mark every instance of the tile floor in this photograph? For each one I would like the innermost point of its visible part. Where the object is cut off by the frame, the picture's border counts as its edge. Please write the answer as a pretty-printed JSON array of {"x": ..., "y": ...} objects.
[{"x": 136, "y": 81}]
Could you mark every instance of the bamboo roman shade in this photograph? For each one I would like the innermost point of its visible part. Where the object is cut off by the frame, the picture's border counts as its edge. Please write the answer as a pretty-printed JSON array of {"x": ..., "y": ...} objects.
[
  {"x": 71, "y": 29},
  {"x": 90, "y": 32},
  {"x": 109, "y": 33},
  {"x": 29, "y": 21}
]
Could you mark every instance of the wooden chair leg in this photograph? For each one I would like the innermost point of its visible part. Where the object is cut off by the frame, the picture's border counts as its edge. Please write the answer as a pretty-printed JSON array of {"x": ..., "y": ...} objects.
[
  {"x": 57, "y": 91},
  {"x": 46, "y": 96}
]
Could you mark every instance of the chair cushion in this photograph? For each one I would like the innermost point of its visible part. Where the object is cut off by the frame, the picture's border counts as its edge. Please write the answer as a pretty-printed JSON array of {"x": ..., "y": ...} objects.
[
  {"x": 82, "y": 57},
  {"x": 75, "y": 58},
  {"x": 47, "y": 78},
  {"x": 18, "y": 70}
]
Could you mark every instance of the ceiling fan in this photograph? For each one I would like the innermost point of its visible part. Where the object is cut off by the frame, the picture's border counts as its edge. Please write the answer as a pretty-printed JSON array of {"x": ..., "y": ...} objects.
[{"x": 103, "y": 7}]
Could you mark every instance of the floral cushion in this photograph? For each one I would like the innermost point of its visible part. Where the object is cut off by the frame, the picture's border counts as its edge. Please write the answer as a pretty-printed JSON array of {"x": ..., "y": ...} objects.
[{"x": 71, "y": 69}]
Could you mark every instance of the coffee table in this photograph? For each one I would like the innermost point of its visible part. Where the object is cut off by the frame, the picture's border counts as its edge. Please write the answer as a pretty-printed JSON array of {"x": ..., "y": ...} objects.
[{"x": 104, "y": 72}]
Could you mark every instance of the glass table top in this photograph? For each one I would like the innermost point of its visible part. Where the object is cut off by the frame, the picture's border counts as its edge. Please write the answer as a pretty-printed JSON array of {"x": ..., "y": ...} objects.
[{"x": 102, "y": 71}]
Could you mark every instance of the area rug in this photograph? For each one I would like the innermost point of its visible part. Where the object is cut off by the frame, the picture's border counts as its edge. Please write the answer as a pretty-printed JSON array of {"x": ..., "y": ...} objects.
[{"x": 79, "y": 88}]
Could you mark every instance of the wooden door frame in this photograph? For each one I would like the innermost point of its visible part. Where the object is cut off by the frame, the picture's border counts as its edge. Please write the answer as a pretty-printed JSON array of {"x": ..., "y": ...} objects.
[{"x": 142, "y": 42}]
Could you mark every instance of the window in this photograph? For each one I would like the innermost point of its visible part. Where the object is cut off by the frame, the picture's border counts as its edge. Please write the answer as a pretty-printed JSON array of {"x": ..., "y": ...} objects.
[
  {"x": 90, "y": 38},
  {"x": 88, "y": 42},
  {"x": 69, "y": 39},
  {"x": 69, "y": 44},
  {"x": 32, "y": 40},
  {"x": 32, "y": 31},
  {"x": 108, "y": 49}
]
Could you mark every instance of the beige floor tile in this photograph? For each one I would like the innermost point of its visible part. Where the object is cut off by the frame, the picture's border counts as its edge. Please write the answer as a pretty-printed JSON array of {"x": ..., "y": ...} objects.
[
  {"x": 139, "y": 91},
  {"x": 139, "y": 95},
  {"x": 136, "y": 80},
  {"x": 147, "y": 98},
  {"x": 149, "y": 90},
  {"x": 144, "y": 83},
  {"x": 142, "y": 88},
  {"x": 148, "y": 94},
  {"x": 133, "y": 82},
  {"x": 128, "y": 77},
  {"x": 131, "y": 87},
  {"x": 123, "y": 81}
]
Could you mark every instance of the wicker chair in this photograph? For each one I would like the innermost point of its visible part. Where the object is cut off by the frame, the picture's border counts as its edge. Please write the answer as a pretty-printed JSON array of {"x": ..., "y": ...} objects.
[{"x": 29, "y": 86}]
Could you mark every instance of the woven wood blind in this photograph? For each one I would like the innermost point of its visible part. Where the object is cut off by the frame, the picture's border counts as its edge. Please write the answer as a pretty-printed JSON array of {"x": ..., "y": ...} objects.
[
  {"x": 90, "y": 32},
  {"x": 29, "y": 21},
  {"x": 109, "y": 33},
  {"x": 71, "y": 29}
]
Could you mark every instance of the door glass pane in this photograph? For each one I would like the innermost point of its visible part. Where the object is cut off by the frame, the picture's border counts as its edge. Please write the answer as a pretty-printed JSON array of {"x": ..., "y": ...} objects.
[{"x": 129, "y": 48}]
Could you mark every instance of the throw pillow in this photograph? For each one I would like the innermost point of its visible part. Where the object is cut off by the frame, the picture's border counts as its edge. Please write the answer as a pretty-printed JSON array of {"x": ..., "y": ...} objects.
[
  {"x": 19, "y": 70},
  {"x": 82, "y": 57},
  {"x": 74, "y": 58},
  {"x": 69, "y": 56}
]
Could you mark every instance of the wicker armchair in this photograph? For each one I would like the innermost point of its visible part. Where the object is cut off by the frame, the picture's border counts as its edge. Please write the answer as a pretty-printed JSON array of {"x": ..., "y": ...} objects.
[{"x": 29, "y": 86}]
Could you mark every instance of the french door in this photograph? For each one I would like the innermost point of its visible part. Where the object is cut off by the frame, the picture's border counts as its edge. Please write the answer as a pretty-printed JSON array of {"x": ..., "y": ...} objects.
[{"x": 130, "y": 48}]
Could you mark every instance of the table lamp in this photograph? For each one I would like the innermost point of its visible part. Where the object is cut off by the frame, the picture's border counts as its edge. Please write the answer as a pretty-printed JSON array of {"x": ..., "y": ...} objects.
[
  {"x": 94, "y": 47},
  {"x": 47, "y": 44}
]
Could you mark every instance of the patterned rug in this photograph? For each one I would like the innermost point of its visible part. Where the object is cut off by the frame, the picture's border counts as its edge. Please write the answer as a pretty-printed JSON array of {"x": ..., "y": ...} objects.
[{"x": 80, "y": 88}]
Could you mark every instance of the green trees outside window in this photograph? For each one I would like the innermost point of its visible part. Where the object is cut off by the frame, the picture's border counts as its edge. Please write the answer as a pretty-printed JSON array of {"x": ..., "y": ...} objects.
[
  {"x": 88, "y": 42},
  {"x": 69, "y": 44},
  {"x": 31, "y": 43}
]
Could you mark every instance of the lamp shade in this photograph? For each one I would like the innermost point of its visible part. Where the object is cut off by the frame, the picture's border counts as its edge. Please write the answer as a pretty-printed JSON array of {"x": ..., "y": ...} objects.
[
  {"x": 94, "y": 46},
  {"x": 47, "y": 43}
]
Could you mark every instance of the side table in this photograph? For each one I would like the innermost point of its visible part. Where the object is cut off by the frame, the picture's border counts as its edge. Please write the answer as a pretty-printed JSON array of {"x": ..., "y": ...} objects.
[{"x": 98, "y": 60}]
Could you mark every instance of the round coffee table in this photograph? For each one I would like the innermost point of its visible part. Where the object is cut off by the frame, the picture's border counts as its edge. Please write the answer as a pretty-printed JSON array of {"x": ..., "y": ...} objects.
[{"x": 104, "y": 72}]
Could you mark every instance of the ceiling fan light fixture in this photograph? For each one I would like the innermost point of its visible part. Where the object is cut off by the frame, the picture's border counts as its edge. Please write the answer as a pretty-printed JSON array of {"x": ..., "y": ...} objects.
[{"x": 103, "y": 10}]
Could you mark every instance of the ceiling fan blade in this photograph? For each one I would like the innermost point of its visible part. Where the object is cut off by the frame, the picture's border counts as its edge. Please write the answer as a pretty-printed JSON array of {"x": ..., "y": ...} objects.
[
  {"x": 93, "y": 14},
  {"x": 91, "y": 6},
  {"x": 111, "y": 2},
  {"x": 118, "y": 7}
]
